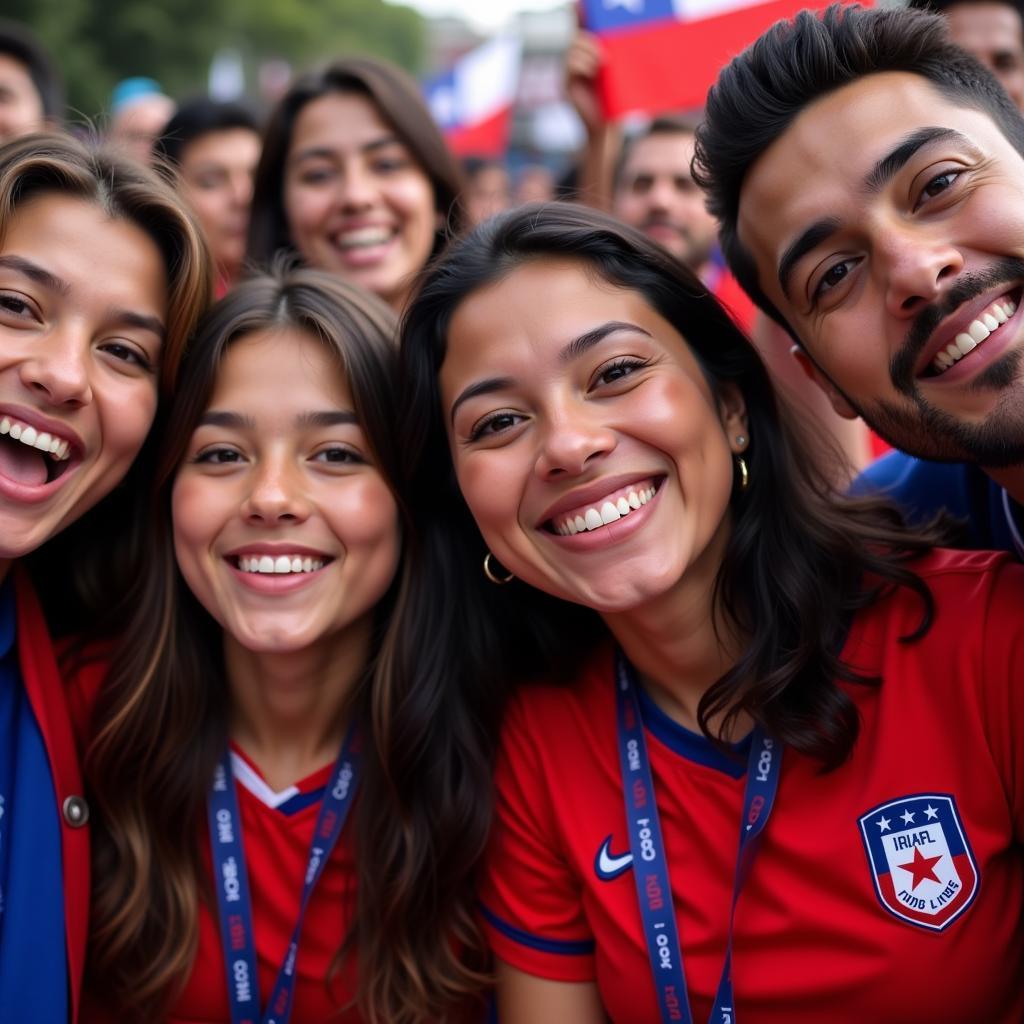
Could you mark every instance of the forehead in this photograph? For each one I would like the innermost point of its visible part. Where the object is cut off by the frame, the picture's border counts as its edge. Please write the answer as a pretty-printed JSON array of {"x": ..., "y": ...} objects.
[
  {"x": 665, "y": 151},
  {"x": 223, "y": 145},
  {"x": 297, "y": 367},
  {"x": 816, "y": 169},
  {"x": 344, "y": 119}
]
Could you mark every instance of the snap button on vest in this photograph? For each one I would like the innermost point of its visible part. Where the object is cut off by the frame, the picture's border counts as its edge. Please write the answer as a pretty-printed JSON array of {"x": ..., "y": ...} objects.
[{"x": 75, "y": 811}]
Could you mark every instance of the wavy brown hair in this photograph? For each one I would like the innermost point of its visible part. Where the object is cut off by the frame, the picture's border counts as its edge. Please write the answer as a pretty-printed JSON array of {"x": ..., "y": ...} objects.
[
  {"x": 161, "y": 719},
  {"x": 83, "y": 575},
  {"x": 801, "y": 560}
]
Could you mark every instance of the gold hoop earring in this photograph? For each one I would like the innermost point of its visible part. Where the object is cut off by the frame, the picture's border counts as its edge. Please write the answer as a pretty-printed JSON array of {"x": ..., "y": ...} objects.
[
  {"x": 741, "y": 463},
  {"x": 489, "y": 573}
]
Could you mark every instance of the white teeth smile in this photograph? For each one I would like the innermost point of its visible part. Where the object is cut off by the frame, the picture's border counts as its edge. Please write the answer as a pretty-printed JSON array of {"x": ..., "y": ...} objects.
[
  {"x": 53, "y": 446},
  {"x": 364, "y": 237},
  {"x": 614, "y": 507},
  {"x": 977, "y": 331},
  {"x": 279, "y": 564}
]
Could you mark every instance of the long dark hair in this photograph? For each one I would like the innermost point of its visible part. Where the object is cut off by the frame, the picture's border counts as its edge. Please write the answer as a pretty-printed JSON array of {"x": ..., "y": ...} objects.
[
  {"x": 161, "y": 719},
  {"x": 800, "y": 559},
  {"x": 82, "y": 575},
  {"x": 398, "y": 101}
]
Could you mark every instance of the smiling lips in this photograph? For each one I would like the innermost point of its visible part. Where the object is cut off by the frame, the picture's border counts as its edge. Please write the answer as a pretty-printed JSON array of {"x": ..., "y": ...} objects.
[
  {"x": 608, "y": 510},
  {"x": 978, "y": 330},
  {"x": 49, "y": 444},
  {"x": 279, "y": 564}
]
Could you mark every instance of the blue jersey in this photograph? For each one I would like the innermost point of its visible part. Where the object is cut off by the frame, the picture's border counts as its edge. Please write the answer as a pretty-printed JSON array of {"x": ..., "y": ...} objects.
[{"x": 992, "y": 520}]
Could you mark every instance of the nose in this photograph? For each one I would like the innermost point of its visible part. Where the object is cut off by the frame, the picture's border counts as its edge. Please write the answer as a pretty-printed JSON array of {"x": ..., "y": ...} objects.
[
  {"x": 918, "y": 267},
  {"x": 241, "y": 189},
  {"x": 276, "y": 495},
  {"x": 58, "y": 369},
  {"x": 357, "y": 187},
  {"x": 572, "y": 440}
]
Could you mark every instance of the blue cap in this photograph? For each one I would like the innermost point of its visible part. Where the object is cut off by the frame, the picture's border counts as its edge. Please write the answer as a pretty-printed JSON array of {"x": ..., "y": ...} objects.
[{"x": 129, "y": 90}]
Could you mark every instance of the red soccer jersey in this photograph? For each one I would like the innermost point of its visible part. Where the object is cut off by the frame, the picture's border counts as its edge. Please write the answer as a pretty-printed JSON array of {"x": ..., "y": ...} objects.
[
  {"x": 277, "y": 829},
  {"x": 890, "y": 889}
]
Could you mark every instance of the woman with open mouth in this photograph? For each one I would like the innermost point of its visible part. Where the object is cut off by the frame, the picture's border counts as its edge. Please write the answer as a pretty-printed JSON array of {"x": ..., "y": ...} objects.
[
  {"x": 774, "y": 771},
  {"x": 242, "y": 748},
  {"x": 103, "y": 274},
  {"x": 355, "y": 178}
]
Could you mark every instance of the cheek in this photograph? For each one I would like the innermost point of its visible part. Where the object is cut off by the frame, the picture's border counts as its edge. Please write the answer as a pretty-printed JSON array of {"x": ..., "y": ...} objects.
[
  {"x": 126, "y": 416},
  {"x": 491, "y": 484},
  {"x": 303, "y": 209}
]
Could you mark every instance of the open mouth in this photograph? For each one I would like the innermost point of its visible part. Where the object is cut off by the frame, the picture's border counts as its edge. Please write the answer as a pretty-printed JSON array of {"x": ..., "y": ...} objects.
[
  {"x": 29, "y": 456},
  {"x": 363, "y": 238},
  {"x": 612, "y": 507},
  {"x": 978, "y": 331},
  {"x": 278, "y": 565}
]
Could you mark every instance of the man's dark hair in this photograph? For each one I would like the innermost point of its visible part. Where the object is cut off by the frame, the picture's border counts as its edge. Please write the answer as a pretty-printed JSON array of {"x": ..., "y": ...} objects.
[
  {"x": 762, "y": 91},
  {"x": 198, "y": 117},
  {"x": 18, "y": 43}
]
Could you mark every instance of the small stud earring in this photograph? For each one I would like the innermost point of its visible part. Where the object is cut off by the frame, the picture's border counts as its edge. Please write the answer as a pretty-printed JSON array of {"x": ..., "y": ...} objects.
[{"x": 741, "y": 439}]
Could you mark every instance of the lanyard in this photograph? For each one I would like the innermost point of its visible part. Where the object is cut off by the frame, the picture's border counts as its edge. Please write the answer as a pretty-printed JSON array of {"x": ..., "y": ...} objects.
[
  {"x": 232, "y": 882},
  {"x": 650, "y": 867}
]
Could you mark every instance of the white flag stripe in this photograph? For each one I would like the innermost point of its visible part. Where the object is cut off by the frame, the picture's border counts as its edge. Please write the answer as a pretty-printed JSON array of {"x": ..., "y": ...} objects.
[
  {"x": 694, "y": 10},
  {"x": 487, "y": 78}
]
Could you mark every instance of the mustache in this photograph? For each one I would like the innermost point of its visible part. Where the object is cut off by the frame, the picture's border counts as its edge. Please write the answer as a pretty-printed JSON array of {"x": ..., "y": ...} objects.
[
  {"x": 968, "y": 287},
  {"x": 663, "y": 222}
]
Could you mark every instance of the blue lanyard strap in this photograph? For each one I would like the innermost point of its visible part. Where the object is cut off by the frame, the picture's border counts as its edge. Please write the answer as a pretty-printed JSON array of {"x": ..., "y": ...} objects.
[
  {"x": 232, "y": 880},
  {"x": 650, "y": 865}
]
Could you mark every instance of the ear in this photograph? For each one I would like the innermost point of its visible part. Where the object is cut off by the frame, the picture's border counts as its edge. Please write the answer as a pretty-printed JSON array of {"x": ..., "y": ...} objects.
[
  {"x": 732, "y": 409},
  {"x": 835, "y": 397}
]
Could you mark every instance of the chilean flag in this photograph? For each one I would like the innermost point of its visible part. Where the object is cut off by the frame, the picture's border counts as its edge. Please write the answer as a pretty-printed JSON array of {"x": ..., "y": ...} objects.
[
  {"x": 472, "y": 102},
  {"x": 665, "y": 54}
]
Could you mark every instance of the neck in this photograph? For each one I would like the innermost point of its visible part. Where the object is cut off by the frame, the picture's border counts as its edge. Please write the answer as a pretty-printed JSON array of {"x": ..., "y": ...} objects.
[
  {"x": 680, "y": 644},
  {"x": 290, "y": 711},
  {"x": 1012, "y": 479}
]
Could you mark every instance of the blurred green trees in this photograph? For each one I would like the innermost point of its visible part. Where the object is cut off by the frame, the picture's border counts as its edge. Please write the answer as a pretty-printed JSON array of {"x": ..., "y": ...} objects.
[{"x": 99, "y": 42}]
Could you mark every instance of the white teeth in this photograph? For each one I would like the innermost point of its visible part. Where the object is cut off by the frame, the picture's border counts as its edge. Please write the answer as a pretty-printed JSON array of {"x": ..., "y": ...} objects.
[
  {"x": 633, "y": 499},
  {"x": 40, "y": 440},
  {"x": 609, "y": 513},
  {"x": 593, "y": 519},
  {"x": 643, "y": 498},
  {"x": 279, "y": 565},
  {"x": 364, "y": 237},
  {"x": 580, "y": 523},
  {"x": 623, "y": 506},
  {"x": 978, "y": 331}
]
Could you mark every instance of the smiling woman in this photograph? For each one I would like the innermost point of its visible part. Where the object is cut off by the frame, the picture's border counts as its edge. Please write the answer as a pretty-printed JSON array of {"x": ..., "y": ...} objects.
[
  {"x": 102, "y": 277},
  {"x": 355, "y": 177},
  {"x": 763, "y": 663},
  {"x": 252, "y": 665}
]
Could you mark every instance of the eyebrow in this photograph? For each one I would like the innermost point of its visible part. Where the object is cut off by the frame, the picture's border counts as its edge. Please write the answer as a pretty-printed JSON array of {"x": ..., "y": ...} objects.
[
  {"x": 140, "y": 320},
  {"x": 36, "y": 273},
  {"x": 237, "y": 421},
  {"x": 880, "y": 175},
  {"x": 325, "y": 152},
  {"x": 573, "y": 350}
]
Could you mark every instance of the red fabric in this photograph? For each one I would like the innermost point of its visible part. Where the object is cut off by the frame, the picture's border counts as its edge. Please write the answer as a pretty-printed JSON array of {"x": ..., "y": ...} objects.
[
  {"x": 736, "y": 301},
  {"x": 812, "y": 940},
  {"x": 46, "y": 695},
  {"x": 487, "y": 138}
]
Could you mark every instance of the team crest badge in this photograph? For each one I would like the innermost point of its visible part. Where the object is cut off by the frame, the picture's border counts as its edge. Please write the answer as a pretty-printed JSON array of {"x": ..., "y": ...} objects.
[{"x": 920, "y": 859}]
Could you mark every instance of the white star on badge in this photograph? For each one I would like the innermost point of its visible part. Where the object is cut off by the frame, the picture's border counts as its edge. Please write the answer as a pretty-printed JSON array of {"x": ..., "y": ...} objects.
[
  {"x": 931, "y": 812},
  {"x": 883, "y": 823},
  {"x": 907, "y": 816}
]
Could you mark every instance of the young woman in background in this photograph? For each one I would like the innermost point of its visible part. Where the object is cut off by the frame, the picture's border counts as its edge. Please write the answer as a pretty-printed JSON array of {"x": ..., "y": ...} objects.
[{"x": 356, "y": 178}]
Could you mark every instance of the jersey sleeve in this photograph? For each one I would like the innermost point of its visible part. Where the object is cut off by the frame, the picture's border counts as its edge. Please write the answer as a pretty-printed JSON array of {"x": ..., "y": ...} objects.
[
  {"x": 530, "y": 898},
  {"x": 1003, "y": 683}
]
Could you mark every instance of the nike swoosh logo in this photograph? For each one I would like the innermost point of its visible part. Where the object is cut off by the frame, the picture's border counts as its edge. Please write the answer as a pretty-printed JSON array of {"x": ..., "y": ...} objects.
[{"x": 609, "y": 866}]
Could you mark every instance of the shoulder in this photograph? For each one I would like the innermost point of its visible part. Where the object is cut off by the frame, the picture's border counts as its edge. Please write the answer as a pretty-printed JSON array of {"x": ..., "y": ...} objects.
[{"x": 922, "y": 487}]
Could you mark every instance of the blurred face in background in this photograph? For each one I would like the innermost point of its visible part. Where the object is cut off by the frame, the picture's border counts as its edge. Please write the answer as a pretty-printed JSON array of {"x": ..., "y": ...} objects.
[
  {"x": 21, "y": 107},
  {"x": 488, "y": 192},
  {"x": 994, "y": 33},
  {"x": 356, "y": 201},
  {"x": 217, "y": 171},
  {"x": 656, "y": 193}
]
